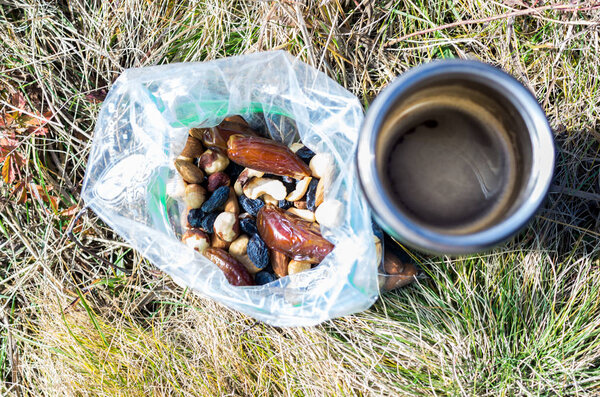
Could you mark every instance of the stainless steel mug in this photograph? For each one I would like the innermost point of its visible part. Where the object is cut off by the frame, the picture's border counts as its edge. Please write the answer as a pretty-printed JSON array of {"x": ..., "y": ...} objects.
[{"x": 454, "y": 157}]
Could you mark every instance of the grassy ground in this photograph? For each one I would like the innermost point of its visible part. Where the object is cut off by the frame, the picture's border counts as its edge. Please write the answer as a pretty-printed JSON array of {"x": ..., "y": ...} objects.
[{"x": 521, "y": 320}]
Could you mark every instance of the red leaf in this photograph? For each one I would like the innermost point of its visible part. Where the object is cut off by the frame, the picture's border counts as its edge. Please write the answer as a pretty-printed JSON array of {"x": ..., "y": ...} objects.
[
  {"x": 20, "y": 192},
  {"x": 6, "y": 120},
  {"x": 36, "y": 124},
  {"x": 18, "y": 100},
  {"x": 40, "y": 195}
]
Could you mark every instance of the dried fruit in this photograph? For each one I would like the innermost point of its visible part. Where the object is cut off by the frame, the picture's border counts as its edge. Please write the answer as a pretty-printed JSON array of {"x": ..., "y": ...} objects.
[
  {"x": 311, "y": 195},
  {"x": 216, "y": 137},
  {"x": 234, "y": 170},
  {"x": 280, "y": 263},
  {"x": 284, "y": 204},
  {"x": 266, "y": 155},
  {"x": 189, "y": 172},
  {"x": 264, "y": 277},
  {"x": 291, "y": 235},
  {"x": 194, "y": 217},
  {"x": 248, "y": 225},
  {"x": 208, "y": 221},
  {"x": 305, "y": 154},
  {"x": 216, "y": 200},
  {"x": 398, "y": 272},
  {"x": 298, "y": 266},
  {"x": 234, "y": 271},
  {"x": 251, "y": 206},
  {"x": 195, "y": 195},
  {"x": 258, "y": 252}
]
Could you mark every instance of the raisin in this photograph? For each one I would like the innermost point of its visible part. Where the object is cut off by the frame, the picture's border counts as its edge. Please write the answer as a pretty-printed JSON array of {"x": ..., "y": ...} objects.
[
  {"x": 263, "y": 277},
  {"x": 289, "y": 183},
  {"x": 258, "y": 252},
  {"x": 284, "y": 204},
  {"x": 248, "y": 225},
  {"x": 218, "y": 199},
  {"x": 208, "y": 222},
  {"x": 195, "y": 217},
  {"x": 234, "y": 170},
  {"x": 305, "y": 154},
  {"x": 251, "y": 206},
  {"x": 311, "y": 195}
]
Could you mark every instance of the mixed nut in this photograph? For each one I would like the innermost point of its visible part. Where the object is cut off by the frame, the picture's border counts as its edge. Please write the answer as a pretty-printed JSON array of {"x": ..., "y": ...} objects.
[{"x": 254, "y": 205}]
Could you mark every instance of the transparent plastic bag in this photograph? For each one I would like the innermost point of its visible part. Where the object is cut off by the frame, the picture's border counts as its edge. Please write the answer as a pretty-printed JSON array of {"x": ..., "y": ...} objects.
[{"x": 142, "y": 128}]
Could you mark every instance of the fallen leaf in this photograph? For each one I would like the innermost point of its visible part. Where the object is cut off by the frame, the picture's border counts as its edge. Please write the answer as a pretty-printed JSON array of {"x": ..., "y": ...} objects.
[
  {"x": 71, "y": 211},
  {"x": 18, "y": 100},
  {"x": 10, "y": 168},
  {"x": 20, "y": 192}
]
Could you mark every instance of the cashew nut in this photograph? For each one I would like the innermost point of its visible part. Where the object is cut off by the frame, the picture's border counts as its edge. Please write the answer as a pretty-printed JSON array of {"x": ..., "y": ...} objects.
[
  {"x": 294, "y": 147},
  {"x": 244, "y": 177},
  {"x": 300, "y": 190},
  {"x": 304, "y": 214},
  {"x": 259, "y": 186},
  {"x": 321, "y": 165}
]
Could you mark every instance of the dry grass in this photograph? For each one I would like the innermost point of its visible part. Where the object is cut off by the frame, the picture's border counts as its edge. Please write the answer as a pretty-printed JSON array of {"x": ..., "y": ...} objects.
[{"x": 521, "y": 320}]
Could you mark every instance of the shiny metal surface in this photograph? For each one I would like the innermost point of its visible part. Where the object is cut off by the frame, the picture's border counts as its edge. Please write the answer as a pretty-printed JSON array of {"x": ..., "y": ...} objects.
[{"x": 467, "y": 181}]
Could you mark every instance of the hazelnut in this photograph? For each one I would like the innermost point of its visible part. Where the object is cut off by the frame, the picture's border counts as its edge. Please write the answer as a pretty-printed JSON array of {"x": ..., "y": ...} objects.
[
  {"x": 259, "y": 186},
  {"x": 300, "y": 190},
  {"x": 217, "y": 242},
  {"x": 226, "y": 226},
  {"x": 212, "y": 161},
  {"x": 298, "y": 266},
  {"x": 196, "y": 239},
  {"x": 330, "y": 213},
  {"x": 217, "y": 180},
  {"x": 195, "y": 195},
  {"x": 244, "y": 177}
]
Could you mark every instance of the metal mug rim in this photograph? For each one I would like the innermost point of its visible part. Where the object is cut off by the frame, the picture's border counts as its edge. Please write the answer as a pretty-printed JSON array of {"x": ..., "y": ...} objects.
[{"x": 413, "y": 234}]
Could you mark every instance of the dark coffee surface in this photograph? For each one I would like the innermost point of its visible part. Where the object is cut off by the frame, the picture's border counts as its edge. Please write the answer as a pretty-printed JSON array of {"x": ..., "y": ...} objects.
[{"x": 447, "y": 168}]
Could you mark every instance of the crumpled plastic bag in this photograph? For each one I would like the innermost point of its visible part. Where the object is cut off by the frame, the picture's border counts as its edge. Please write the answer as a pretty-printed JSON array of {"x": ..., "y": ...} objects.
[{"x": 142, "y": 128}]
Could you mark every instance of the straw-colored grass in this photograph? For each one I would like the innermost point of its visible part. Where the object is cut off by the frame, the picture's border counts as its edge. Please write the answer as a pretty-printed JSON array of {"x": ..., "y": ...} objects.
[{"x": 523, "y": 319}]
